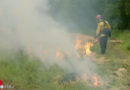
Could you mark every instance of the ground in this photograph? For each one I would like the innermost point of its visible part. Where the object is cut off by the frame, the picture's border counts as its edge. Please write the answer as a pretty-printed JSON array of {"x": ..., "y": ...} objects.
[{"x": 25, "y": 73}]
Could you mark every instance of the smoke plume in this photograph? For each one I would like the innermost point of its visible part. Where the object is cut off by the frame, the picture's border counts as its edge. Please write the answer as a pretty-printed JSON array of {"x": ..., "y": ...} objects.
[{"x": 26, "y": 25}]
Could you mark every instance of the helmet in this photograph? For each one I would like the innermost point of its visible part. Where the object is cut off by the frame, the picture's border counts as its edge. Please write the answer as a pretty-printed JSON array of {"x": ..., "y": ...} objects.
[{"x": 98, "y": 17}]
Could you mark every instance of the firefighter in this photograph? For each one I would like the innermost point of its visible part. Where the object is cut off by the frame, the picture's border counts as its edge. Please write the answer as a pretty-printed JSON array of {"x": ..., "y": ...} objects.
[{"x": 103, "y": 32}]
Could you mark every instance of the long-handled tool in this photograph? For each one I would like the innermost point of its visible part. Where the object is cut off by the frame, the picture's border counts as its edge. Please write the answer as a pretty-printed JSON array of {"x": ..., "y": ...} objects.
[{"x": 96, "y": 40}]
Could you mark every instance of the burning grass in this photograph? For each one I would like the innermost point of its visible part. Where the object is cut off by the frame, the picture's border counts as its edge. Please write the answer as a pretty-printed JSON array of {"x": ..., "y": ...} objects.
[
  {"x": 27, "y": 73},
  {"x": 83, "y": 46}
]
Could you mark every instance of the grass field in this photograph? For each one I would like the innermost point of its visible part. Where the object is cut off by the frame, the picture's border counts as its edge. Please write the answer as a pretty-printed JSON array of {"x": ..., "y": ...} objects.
[{"x": 25, "y": 73}]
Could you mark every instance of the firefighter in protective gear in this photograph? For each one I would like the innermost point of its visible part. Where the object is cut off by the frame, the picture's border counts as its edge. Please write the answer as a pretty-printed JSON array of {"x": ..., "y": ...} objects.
[{"x": 103, "y": 32}]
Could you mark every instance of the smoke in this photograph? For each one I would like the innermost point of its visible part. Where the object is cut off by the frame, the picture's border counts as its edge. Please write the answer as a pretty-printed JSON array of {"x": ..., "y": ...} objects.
[{"x": 26, "y": 25}]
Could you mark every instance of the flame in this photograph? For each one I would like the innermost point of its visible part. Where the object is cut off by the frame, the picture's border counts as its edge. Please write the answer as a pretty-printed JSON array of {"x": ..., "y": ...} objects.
[
  {"x": 59, "y": 55},
  {"x": 84, "y": 77},
  {"x": 88, "y": 48},
  {"x": 78, "y": 44},
  {"x": 96, "y": 81}
]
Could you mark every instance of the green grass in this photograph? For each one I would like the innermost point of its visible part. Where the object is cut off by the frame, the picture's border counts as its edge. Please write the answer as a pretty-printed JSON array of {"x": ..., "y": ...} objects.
[
  {"x": 125, "y": 37},
  {"x": 116, "y": 58},
  {"x": 26, "y": 73}
]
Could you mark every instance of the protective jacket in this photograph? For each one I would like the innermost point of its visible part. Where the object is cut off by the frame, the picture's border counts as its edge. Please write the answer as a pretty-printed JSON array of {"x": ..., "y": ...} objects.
[
  {"x": 103, "y": 28},
  {"x": 103, "y": 32}
]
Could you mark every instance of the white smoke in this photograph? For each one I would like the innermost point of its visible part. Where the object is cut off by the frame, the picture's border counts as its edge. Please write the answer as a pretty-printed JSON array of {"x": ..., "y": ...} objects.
[{"x": 25, "y": 24}]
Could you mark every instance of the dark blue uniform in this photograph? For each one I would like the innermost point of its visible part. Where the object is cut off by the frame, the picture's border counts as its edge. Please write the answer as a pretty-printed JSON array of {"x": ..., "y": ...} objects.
[{"x": 103, "y": 32}]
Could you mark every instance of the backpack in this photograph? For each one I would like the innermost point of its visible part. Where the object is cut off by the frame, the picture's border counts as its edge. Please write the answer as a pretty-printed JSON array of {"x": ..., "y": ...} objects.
[{"x": 107, "y": 31}]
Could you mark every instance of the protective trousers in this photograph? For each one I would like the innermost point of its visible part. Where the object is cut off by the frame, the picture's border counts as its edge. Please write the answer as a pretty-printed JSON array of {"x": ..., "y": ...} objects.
[{"x": 103, "y": 44}]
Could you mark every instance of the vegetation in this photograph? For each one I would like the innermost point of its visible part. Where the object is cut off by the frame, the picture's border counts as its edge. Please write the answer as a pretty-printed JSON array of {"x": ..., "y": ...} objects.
[
  {"x": 116, "y": 62},
  {"x": 25, "y": 73},
  {"x": 82, "y": 13}
]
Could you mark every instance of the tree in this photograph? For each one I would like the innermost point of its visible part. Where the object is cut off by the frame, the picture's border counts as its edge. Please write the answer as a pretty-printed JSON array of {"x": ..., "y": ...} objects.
[{"x": 82, "y": 12}]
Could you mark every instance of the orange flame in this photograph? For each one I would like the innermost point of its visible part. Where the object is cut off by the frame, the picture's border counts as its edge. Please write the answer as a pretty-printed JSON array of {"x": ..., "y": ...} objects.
[
  {"x": 84, "y": 77},
  {"x": 88, "y": 48},
  {"x": 96, "y": 81},
  {"x": 59, "y": 55},
  {"x": 78, "y": 44}
]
